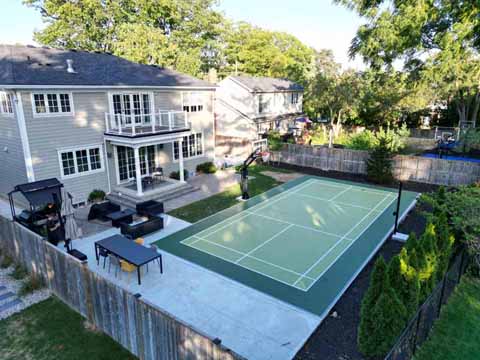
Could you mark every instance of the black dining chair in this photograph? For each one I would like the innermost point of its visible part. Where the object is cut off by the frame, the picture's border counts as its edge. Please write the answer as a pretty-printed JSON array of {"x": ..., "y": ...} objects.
[{"x": 102, "y": 253}]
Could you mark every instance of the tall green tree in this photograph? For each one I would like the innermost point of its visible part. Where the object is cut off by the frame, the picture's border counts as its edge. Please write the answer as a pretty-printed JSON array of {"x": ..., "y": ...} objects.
[
  {"x": 172, "y": 33},
  {"x": 436, "y": 40}
]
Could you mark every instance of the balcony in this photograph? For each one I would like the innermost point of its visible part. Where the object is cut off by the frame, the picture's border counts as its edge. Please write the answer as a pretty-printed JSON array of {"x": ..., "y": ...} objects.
[{"x": 138, "y": 125}]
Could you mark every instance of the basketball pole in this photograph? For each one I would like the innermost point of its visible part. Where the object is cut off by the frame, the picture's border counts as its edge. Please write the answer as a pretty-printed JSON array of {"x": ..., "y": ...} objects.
[{"x": 397, "y": 211}]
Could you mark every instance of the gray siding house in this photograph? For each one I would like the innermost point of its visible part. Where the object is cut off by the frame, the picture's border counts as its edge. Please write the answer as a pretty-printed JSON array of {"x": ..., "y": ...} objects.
[
  {"x": 96, "y": 121},
  {"x": 247, "y": 107}
]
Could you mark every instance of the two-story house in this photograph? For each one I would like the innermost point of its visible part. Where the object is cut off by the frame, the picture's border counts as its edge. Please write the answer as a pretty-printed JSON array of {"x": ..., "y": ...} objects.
[
  {"x": 97, "y": 121},
  {"x": 248, "y": 107}
]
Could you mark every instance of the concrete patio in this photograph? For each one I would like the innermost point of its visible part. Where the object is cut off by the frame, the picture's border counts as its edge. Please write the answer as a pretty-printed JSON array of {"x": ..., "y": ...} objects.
[{"x": 253, "y": 324}]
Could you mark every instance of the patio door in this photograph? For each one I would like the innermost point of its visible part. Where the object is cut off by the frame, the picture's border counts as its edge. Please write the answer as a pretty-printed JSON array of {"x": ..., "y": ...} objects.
[
  {"x": 126, "y": 162},
  {"x": 134, "y": 108}
]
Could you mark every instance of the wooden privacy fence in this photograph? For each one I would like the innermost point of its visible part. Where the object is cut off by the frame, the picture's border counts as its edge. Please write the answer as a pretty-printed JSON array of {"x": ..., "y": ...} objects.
[
  {"x": 405, "y": 168},
  {"x": 142, "y": 328}
]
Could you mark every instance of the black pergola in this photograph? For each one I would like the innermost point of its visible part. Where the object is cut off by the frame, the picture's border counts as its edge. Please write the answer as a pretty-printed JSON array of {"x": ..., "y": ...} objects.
[{"x": 38, "y": 194}]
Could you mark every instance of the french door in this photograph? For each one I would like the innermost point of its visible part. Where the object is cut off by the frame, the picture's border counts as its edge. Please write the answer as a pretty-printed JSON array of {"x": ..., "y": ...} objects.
[
  {"x": 132, "y": 108},
  {"x": 126, "y": 162}
]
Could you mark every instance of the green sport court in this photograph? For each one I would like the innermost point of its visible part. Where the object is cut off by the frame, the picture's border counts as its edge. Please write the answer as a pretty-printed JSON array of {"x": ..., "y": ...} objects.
[{"x": 303, "y": 242}]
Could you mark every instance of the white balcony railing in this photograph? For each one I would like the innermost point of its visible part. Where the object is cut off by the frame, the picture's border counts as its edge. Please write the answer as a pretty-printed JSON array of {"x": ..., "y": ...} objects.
[{"x": 140, "y": 124}]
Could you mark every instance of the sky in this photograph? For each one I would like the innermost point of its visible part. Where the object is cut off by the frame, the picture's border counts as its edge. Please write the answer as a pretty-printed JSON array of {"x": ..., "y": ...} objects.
[{"x": 318, "y": 23}]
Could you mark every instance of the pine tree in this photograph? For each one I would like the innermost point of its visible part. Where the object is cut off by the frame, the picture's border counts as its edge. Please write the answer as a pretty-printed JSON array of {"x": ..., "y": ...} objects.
[
  {"x": 404, "y": 280},
  {"x": 444, "y": 243},
  {"x": 391, "y": 317},
  {"x": 379, "y": 165},
  {"x": 412, "y": 242},
  {"x": 428, "y": 261},
  {"x": 367, "y": 342}
]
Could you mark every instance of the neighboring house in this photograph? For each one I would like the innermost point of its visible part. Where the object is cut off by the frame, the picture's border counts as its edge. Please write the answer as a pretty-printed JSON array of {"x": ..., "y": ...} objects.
[
  {"x": 97, "y": 121},
  {"x": 248, "y": 107}
]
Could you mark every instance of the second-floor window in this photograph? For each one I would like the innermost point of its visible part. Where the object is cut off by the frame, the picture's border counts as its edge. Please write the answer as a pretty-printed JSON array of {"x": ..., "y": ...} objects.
[
  {"x": 193, "y": 102},
  {"x": 6, "y": 104},
  {"x": 294, "y": 97},
  {"x": 132, "y": 108},
  {"x": 262, "y": 104},
  {"x": 52, "y": 103}
]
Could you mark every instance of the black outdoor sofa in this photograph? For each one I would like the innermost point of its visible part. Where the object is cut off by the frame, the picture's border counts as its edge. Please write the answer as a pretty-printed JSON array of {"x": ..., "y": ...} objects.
[
  {"x": 150, "y": 208},
  {"x": 134, "y": 231},
  {"x": 99, "y": 211}
]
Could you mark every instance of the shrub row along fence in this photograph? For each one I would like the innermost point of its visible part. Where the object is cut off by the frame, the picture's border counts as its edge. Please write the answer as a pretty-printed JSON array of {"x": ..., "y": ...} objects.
[
  {"x": 420, "y": 325},
  {"x": 405, "y": 168},
  {"x": 142, "y": 328}
]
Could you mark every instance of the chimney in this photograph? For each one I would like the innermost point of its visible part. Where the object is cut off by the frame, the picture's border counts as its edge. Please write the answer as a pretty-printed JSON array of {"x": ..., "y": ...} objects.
[
  {"x": 212, "y": 76},
  {"x": 70, "y": 68}
]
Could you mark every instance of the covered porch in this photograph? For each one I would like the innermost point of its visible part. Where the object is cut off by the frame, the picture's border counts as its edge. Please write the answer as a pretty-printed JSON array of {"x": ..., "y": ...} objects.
[{"x": 140, "y": 169}]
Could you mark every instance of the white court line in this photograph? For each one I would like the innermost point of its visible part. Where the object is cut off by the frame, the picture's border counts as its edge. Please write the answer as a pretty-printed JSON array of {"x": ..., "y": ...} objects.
[
  {"x": 241, "y": 216},
  {"x": 339, "y": 241},
  {"x": 264, "y": 243},
  {"x": 335, "y": 202},
  {"x": 250, "y": 256},
  {"x": 339, "y": 194},
  {"x": 357, "y": 187},
  {"x": 300, "y": 226},
  {"x": 281, "y": 196}
]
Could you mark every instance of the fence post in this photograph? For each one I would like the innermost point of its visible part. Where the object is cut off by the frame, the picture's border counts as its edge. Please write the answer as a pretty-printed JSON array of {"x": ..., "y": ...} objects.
[
  {"x": 442, "y": 293},
  {"x": 419, "y": 315}
]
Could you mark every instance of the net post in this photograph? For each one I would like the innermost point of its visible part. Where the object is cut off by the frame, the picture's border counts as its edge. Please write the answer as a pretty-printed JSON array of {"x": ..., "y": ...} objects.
[{"x": 397, "y": 211}]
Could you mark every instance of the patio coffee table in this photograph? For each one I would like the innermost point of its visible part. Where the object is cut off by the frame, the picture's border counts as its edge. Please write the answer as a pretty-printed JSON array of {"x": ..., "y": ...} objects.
[
  {"x": 129, "y": 251},
  {"x": 122, "y": 216}
]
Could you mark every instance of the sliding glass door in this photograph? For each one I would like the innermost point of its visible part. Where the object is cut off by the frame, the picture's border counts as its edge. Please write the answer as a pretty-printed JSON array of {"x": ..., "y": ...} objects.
[
  {"x": 132, "y": 108},
  {"x": 126, "y": 162}
]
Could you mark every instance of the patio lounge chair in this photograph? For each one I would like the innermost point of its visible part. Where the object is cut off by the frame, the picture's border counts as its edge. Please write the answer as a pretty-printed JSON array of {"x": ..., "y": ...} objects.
[{"x": 150, "y": 208}]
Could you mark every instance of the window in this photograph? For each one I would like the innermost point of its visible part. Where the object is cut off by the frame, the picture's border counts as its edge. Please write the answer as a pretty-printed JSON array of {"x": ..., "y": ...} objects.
[
  {"x": 81, "y": 161},
  {"x": 294, "y": 98},
  {"x": 6, "y": 104},
  {"x": 126, "y": 162},
  {"x": 192, "y": 146},
  {"x": 262, "y": 103},
  {"x": 52, "y": 103},
  {"x": 133, "y": 108},
  {"x": 193, "y": 102}
]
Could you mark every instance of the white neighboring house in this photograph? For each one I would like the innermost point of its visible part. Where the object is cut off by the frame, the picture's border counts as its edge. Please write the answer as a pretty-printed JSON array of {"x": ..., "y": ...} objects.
[
  {"x": 248, "y": 107},
  {"x": 97, "y": 121}
]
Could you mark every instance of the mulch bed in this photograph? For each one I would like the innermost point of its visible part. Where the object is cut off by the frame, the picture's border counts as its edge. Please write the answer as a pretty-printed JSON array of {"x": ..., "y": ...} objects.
[{"x": 336, "y": 337}]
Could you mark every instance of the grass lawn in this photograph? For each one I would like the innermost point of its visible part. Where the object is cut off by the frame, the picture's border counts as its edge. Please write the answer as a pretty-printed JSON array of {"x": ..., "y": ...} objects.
[
  {"x": 206, "y": 207},
  {"x": 51, "y": 330},
  {"x": 456, "y": 334}
]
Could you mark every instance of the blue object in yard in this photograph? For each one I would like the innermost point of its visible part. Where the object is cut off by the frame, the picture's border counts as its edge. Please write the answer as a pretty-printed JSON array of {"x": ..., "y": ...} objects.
[
  {"x": 451, "y": 157},
  {"x": 447, "y": 145}
]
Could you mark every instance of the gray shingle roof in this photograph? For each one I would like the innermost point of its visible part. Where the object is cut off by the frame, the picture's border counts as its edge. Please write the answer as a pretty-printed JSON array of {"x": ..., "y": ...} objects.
[
  {"x": 267, "y": 84},
  {"x": 28, "y": 65}
]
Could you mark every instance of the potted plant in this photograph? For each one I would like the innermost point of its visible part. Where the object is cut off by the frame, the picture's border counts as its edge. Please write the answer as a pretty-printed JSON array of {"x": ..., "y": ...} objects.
[{"x": 96, "y": 196}]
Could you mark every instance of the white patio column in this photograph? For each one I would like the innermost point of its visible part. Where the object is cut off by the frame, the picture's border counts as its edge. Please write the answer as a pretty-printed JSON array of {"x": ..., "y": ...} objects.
[
  {"x": 138, "y": 173},
  {"x": 180, "y": 160}
]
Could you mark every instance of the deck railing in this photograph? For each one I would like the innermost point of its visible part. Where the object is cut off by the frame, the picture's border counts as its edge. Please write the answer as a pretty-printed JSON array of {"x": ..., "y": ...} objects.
[{"x": 139, "y": 124}]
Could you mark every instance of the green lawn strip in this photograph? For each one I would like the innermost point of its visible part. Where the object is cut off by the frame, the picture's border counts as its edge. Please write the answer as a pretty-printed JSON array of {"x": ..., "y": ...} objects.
[
  {"x": 51, "y": 330},
  {"x": 206, "y": 207},
  {"x": 456, "y": 334}
]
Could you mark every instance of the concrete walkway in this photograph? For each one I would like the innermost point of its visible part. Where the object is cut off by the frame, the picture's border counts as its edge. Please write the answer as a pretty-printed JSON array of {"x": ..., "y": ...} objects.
[
  {"x": 208, "y": 185},
  {"x": 253, "y": 324}
]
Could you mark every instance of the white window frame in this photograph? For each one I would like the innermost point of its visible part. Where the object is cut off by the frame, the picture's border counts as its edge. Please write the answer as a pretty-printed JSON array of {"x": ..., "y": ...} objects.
[
  {"x": 79, "y": 148},
  {"x": 47, "y": 113},
  {"x": 9, "y": 98},
  {"x": 188, "y": 147},
  {"x": 151, "y": 97},
  {"x": 188, "y": 95}
]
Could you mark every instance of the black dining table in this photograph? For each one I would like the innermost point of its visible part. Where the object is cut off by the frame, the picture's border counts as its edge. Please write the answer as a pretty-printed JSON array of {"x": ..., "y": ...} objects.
[{"x": 128, "y": 250}]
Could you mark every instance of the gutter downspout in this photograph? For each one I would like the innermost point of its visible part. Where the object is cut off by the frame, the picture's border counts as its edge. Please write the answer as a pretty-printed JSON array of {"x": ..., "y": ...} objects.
[{"x": 22, "y": 127}]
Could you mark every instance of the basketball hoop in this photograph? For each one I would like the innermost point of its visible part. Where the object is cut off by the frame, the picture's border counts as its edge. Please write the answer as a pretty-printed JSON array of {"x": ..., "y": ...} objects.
[{"x": 265, "y": 156}]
